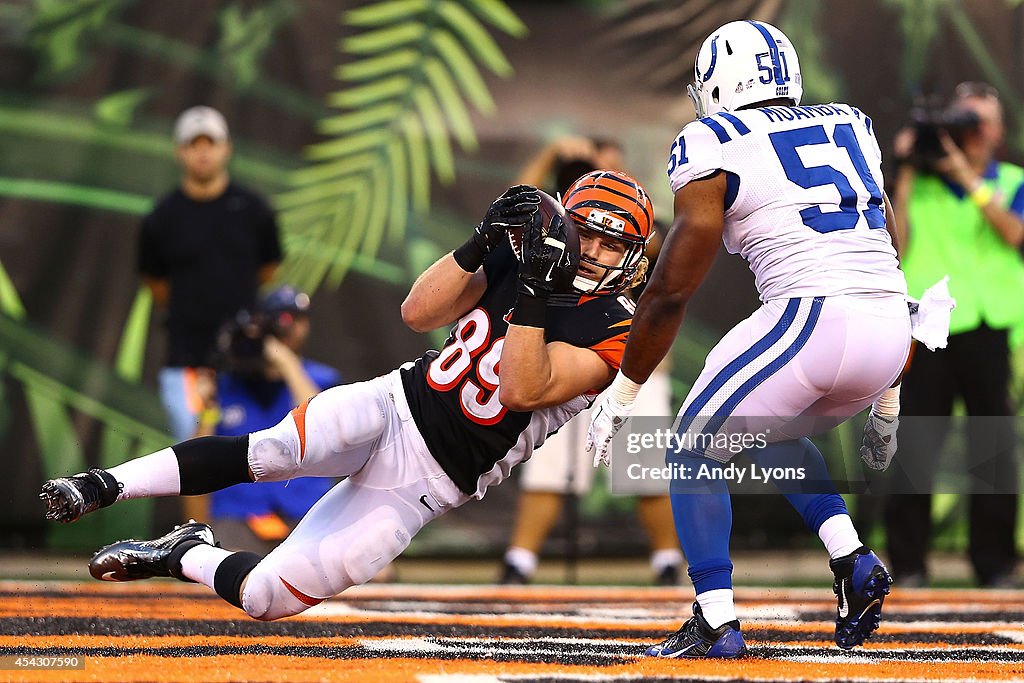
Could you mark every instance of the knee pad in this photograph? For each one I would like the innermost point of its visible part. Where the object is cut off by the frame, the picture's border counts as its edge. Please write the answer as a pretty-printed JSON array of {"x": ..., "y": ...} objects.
[
  {"x": 265, "y": 598},
  {"x": 274, "y": 454},
  {"x": 268, "y": 596}
]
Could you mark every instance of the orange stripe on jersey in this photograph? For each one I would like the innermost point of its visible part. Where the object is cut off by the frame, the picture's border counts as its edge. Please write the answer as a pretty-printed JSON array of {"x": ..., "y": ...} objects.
[
  {"x": 299, "y": 415},
  {"x": 611, "y": 349},
  {"x": 622, "y": 323},
  {"x": 307, "y": 600}
]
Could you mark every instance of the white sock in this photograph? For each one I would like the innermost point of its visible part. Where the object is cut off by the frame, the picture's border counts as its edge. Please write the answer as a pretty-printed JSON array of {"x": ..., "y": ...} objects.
[
  {"x": 666, "y": 557},
  {"x": 155, "y": 474},
  {"x": 839, "y": 536},
  {"x": 200, "y": 563},
  {"x": 522, "y": 559},
  {"x": 717, "y": 606}
]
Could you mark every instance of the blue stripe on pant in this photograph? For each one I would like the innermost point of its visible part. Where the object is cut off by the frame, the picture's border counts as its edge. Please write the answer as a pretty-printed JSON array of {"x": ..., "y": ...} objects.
[{"x": 701, "y": 506}]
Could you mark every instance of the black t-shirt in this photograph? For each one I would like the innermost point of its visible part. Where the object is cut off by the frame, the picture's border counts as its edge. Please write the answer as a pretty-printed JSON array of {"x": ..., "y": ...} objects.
[
  {"x": 453, "y": 394},
  {"x": 211, "y": 253}
]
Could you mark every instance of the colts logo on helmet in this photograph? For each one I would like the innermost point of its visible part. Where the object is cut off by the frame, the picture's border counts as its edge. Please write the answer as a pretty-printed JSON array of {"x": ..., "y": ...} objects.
[{"x": 711, "y": 67}]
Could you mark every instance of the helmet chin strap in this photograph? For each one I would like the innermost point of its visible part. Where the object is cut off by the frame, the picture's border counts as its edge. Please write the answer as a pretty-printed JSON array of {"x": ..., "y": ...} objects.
[
  {"x": 698, "y": 105},
  {"x": 585, "y": 285}
]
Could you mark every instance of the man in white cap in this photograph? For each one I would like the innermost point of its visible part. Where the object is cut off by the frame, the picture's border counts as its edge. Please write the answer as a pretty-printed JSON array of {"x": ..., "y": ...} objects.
[{"x": 204, "y": 250}]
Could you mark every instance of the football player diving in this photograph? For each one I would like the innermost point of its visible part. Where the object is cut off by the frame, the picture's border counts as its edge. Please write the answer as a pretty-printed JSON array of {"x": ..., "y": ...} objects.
[{"x": 537, "y": 331}]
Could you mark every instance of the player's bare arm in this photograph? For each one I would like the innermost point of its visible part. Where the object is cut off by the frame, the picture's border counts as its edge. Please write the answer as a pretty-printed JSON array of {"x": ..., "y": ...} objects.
[
  {"x": 686, "y": 256},
  {"x": 892, "y": 226},
  {"x": 441, "y": 295},
  {"x": 454, "y": 284},
  {"x": 536, "y": 375}
]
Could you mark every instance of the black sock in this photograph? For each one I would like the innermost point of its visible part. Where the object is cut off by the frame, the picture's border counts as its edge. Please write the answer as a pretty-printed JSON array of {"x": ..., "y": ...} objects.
[
  {"x": 211, "y": 463},
  {"x": 227, "y": 580}
]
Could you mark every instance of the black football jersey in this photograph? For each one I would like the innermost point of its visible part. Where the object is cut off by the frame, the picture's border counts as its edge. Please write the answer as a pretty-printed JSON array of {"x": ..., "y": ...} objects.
[{"x": 453, "y": 393}]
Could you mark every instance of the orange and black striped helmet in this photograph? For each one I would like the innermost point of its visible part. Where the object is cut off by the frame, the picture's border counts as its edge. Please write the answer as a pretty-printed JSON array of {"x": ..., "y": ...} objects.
[{"x": 613, "y": 204}]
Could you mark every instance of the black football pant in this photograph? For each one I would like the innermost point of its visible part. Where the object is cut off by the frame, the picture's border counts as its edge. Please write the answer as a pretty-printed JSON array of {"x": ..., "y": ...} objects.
[{"x": 976, "y": 367}]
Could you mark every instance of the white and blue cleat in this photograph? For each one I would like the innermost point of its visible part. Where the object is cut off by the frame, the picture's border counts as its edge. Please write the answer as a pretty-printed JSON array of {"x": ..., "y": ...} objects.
[
  {"x": 695, "y": 639},
  {"x": 861, "y": 584}
]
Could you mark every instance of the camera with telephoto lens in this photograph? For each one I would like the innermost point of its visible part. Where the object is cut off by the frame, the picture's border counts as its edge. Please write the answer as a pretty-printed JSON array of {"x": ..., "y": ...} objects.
[
  {"x": 239, "y": 347},
  {"x": 927, "y": 123}
]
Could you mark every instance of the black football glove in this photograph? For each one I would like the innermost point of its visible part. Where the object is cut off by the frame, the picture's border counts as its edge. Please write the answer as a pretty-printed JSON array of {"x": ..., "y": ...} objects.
[
  {"x": 515, "y": 207},
  {"x": 547, "y": 265}
]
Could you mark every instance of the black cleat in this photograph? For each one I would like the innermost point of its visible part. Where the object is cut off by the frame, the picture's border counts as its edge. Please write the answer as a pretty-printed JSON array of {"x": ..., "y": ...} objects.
[
  {"x": 511, "y": 576},
  {"x": 669, "y": 576},
  {"x": 861, "y": 584},
  {"x": 68, "y": 498},
  {"x": 132, "y": 560},
  {"x": 697, "y": 640}
]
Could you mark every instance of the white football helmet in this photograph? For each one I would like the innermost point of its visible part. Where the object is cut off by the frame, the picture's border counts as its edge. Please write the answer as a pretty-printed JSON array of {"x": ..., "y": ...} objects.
[{"x": 742, "y": 63}]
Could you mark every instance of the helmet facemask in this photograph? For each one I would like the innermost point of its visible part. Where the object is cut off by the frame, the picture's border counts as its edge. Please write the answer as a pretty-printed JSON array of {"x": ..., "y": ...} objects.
[
  {"x": 611, "y": 278},
  {"x": 695, "y": 94}
]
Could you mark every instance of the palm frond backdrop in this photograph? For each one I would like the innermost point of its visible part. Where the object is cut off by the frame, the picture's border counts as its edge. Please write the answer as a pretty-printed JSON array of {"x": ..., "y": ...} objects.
[
  {"x": 380, "y": 129},
  {"x": 410, "y": 74}
]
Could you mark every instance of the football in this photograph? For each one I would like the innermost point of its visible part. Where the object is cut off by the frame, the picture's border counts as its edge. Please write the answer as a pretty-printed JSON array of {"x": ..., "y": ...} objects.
[{"x": 549, "y": 209}]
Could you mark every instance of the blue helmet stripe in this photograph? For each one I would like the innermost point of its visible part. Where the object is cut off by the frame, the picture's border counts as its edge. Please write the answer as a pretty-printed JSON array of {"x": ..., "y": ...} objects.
[
  {"x": 714, "y": 58},
  {"x": 773, "y": 51}
]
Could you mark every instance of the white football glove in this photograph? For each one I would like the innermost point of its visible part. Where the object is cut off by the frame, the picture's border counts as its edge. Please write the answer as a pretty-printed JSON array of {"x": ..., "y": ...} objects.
[
  {"x": 878, "y": 445},
  {"x": 609, "y": 416}
]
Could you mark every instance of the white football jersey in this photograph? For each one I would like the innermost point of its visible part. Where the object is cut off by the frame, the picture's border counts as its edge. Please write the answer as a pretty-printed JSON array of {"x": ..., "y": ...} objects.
[{"x": 804, "y": 201}]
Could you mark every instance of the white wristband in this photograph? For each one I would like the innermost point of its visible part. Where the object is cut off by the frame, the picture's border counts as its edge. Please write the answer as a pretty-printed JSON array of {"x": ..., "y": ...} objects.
[
  {"x": 888, "y": 404},
  {"x": 623, "y": 389}
]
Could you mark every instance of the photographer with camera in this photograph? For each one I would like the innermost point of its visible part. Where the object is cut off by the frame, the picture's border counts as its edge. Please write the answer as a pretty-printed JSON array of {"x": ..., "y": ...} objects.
[
  {"x": 961, "y": 213},
  {"x": 261, "y": 376}
]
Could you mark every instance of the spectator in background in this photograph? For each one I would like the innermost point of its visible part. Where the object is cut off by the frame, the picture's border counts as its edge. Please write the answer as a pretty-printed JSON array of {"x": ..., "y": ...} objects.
[
  {"x": 963, "y": 216},
  {"x": 262, "y": 376},
  {"x": 204, "y": 250},
  {"x": 563, "y": 470},
  {"x": 565, "y": 159}
]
